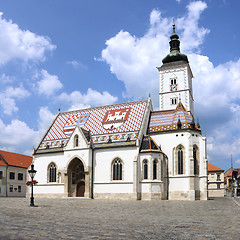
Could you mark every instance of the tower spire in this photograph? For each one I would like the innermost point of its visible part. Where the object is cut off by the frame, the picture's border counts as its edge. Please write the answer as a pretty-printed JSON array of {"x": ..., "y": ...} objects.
[{"x": 175, "y": 54}]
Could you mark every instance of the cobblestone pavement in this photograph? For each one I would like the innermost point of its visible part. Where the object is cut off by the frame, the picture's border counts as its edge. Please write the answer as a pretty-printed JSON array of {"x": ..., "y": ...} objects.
[{"x": 73, "y": 218}]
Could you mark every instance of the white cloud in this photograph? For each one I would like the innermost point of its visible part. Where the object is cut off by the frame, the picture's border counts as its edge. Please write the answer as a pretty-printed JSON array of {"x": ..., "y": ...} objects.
[
  {"x": 21, "y": 44},
  {"x": 91, "y": 98},
  {"x": 8, "y": 104},
  {"x": 17, "y": 92},
  {"x": 16, "y": 134},
  {"x": 48, "y": 84},
  {"x": 238, "y": 161},
  {"x": 133, "y": 59},
  {"x": 8, "y": 96},
  {"x": 77, "y": 65},
  {"x": 216, "y": 88},
  {"x": 45, "y": 119},
  {"x": 6, "y": 79}
]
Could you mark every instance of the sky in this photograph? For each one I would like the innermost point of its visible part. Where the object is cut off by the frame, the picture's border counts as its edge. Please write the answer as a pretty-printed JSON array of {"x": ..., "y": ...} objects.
[{"x": 76, "y": 54}]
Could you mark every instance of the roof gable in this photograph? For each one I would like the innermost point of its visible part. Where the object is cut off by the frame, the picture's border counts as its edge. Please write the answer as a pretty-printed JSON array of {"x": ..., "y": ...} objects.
[
  {"x": 149, "y": 145},
  {"x": 118, "y": 122},
  {"x": 15, "y": 159},
  {"x": 168, "y": 119},
  {"x": 213, "y": 168},
  {"x": 83, "y": 139}
]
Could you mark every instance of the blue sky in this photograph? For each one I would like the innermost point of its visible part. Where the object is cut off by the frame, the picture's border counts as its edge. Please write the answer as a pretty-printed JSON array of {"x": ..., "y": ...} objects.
[{"x": 76, "y": 54}]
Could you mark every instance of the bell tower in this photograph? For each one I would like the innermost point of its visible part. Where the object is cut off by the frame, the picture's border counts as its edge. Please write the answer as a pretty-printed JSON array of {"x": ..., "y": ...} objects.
[{"x": 175, "y": 78}]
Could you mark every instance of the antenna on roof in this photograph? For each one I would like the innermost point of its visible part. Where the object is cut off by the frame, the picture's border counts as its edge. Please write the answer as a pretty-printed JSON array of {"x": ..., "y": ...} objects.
[
  {"x": 173, "y": 25},
  {"x": 180, "y": 98},
  {"x": 59, "y": 110},
  {"x": 149, "y": 95}
]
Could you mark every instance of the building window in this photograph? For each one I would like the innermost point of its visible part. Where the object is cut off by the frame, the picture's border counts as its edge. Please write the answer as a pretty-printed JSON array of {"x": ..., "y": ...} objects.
[
  {"x": 173, "y": 101},
  {"x": 76, "y": 142},
  {"x": 1, "y": 173},
  {"x": 155, "y": 162},
  {"x": 11, "y": 188},
  {"x": 19, "y": 189},
  {"x": 12, "y": 175},
  {"x": 173, "y": 81},
  {"x": 52, "y": 170},
  {"x": 145, "y": 169},
  {"x": 117, "y": 169},
  {"x": 218, "y": 177},
  {"x": 20, "y": 176},
  {"x": 180, "y": 160},
  {"x": 218, "y": 186}
]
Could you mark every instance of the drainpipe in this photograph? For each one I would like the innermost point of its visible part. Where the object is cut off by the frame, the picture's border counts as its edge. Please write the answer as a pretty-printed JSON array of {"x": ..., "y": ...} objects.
[
  {"x": 6, "y": 172},
  {"x": 6, "y": 180},
  {"x": 92, "y": 178}
]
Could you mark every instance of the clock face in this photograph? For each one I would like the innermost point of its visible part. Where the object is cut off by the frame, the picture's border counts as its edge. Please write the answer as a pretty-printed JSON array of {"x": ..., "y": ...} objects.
[{"x": 173, "y": 87}]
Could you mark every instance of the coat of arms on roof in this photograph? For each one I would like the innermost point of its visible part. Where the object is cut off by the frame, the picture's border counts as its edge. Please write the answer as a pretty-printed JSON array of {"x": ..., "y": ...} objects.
[
  {"x": 115, "y": 118},
  {"x": 72, "y": 121}
]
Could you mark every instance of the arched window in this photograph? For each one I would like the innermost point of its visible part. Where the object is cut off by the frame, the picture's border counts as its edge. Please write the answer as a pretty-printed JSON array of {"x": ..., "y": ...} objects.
[
  {"x": 145, "y": 169},
  {"x": 195, "y": 160},
  {"x": 52, "y": 170},
  {"x": 76, "y": 142},
  {"x": 180, "y": 160},
  {"x": 155, "y": 163},
  {"x": 117, "y": 169}
]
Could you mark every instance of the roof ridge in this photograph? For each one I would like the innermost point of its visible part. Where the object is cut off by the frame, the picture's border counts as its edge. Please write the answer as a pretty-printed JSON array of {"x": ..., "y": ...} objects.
[
  {"x": 104, "y": 106},
  {"x": 15, "y": 153}
]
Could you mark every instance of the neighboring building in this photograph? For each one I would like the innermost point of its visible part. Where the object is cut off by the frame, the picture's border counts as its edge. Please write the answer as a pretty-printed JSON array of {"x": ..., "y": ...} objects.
[
  {"x": 229, "y": 182},
  {"x": 129, "y": 151},
  {"x": 215, "y": 181},
  {"x": 13, "y": 174}
]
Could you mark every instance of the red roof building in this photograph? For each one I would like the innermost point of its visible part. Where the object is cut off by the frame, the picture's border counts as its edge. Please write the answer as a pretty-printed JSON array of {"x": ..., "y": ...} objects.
[{"x": 13, "y": 174}]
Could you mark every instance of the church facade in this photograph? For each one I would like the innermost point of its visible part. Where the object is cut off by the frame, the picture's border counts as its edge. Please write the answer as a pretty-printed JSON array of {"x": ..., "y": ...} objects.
[{"x": 129, "y": 151}]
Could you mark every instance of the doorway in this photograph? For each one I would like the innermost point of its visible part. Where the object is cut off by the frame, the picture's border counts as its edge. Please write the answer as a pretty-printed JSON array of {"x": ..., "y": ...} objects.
[{"x": 76, "y": 178}]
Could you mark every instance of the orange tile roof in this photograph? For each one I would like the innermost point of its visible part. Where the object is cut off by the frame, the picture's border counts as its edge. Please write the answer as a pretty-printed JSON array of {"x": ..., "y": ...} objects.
[
  {"x": 15, "y": 159},
  {"x": 2, "y": 163},
  {"x": 213, "y": 168}
]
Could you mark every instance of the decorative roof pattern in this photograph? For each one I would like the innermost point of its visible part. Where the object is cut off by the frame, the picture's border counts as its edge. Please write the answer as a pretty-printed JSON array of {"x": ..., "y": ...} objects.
[
  {"x": 15, "y": 159},
  {"x": 117, "y": 122},
  {"x": 168, "y": 119}
]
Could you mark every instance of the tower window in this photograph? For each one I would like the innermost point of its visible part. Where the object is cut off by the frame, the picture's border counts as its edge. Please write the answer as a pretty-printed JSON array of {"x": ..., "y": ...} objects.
[{"x": 173, "y": 101}]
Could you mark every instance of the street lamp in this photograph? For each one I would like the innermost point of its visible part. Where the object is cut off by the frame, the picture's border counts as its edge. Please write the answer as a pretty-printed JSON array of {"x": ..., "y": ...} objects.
[{"x": 32, "y": 173}]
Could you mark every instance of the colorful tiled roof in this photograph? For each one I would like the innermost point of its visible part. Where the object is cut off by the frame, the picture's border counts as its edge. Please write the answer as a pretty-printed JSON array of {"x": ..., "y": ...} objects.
[
  {"x": 213, "y": 168},
  {"x": 168, "y": 119},
  {"x": 118, "y": 122},
  {"x": 15, "y": 159}
]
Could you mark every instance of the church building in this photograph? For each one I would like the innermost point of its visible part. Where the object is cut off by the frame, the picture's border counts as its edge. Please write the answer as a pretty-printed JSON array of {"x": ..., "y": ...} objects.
[{"x": 128, "y": 150}]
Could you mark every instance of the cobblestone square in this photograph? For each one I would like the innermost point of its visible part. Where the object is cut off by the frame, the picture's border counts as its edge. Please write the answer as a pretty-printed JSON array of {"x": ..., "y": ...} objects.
[{"x": 75, "y": 218}]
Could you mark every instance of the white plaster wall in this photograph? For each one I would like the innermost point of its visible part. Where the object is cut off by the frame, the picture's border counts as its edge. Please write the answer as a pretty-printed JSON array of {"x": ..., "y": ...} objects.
[
  {"x": 115, "y": 188},
  {"x": 15, "y": 182},
  {"x": 49, "y": 188},
  {"x": 103, "y": 169},
  {"x": 3, "y": 181},
  {"x": 187, "y": 139},
  {"x": 62, "y": 160}
]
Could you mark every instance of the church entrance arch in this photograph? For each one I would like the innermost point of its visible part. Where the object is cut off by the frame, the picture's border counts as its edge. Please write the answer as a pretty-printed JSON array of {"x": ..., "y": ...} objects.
[{"x": 76, "y": 178}]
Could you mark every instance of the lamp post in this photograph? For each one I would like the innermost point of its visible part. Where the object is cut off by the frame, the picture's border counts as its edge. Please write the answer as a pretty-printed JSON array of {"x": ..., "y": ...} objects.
[{"x": 32, "y": 173}]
